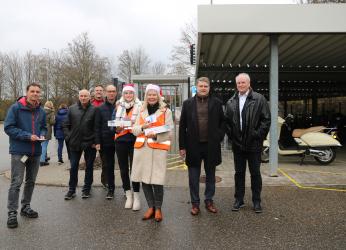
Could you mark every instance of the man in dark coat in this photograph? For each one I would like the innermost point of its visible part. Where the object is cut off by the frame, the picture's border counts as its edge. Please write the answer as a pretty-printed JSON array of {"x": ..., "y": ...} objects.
[
  {"x": 201, "y": 129},
  {"x": 104, "y": 138},
  {"x": 248, "y": 122},
  {"x": 79, "y": 132}
]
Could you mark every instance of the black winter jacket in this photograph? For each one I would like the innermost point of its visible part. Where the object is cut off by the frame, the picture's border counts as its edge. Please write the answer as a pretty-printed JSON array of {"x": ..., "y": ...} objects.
[
  {"x": 189, "y": 132},
  {"x": 79, "y": 127},
  {"x": 256, "y": 122},
  {"x": 104, "y": 134}
]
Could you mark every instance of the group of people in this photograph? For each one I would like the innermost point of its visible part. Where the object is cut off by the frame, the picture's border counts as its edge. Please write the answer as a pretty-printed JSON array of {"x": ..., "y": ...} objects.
[{"x": 139, "y": 134}]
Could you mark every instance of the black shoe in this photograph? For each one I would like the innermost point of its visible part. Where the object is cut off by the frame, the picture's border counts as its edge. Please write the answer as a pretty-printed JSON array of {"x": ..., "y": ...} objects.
[
  {"x": 110, "y": 195},
  {"x": 257, "y": 207},
  {"x": 12, "y": 219},
  {"x": 85, "y": 194},
  {"x": 60, "y": 162},
  {"x": 47, "y": 159},
  {"x": 28, "y": 212},
  {"x": 70, "y": 195},
  {"x": 44, "y": 164},
  {"x": 237, "y": 205}
]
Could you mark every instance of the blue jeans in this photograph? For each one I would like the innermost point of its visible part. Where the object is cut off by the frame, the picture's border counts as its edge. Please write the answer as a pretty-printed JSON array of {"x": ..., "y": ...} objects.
[
  {"x": 194, "y": 175},
  {"x": 60, "y": 148},
  {"x": 30, "y": 167},
  {"x": 44, "y": 146},
  {"x": 89, "y": 157}
]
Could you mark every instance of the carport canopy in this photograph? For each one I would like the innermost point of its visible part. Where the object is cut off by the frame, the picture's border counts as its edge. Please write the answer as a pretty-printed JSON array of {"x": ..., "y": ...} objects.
[{"x": 306, "y": 44}]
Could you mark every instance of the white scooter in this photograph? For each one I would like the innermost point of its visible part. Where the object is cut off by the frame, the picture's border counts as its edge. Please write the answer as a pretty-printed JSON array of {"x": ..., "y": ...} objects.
[{"x": 311, "y": 141}]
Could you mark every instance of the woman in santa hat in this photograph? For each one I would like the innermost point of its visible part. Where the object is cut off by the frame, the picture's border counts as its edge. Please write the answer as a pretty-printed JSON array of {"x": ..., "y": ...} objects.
[
  {"x": 151, "y": 149},
  {"x": 127, "y": 109}
]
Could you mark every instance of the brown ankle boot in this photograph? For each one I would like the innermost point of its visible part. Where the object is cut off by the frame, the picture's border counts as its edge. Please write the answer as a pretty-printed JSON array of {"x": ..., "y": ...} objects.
[
  {"x": 149, "y": 214},
  {"x": 158, "y": 215}
]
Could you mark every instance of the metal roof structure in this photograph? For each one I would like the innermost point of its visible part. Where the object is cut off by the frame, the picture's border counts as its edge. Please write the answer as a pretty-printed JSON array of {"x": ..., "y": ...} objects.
[
  {"x": 311, "y": 45},
  {"x": 160, "y": 79},
  {"x": 290, "y": 51}
]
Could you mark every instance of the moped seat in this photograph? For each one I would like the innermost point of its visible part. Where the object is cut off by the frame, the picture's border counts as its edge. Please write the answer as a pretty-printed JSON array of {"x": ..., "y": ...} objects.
[{"x": 298, "y": 132}]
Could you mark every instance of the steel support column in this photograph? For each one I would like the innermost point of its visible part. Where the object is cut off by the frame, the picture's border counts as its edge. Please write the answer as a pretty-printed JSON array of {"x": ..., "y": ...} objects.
[{"x": 274, "y": 103}]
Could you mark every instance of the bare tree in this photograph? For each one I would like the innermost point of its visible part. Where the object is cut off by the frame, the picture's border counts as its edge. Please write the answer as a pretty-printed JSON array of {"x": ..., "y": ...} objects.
[
  {"x": 83, "y": 68},
  {"x": 180, "y": 54},
  {"x": 132, "y": 62},
  {"x": 31, "y": 67},
  {"x": 2, "y": 75},
  {"x": 320, "y": 1},
  {"x": 159, "y": 68},
  {"x": 14, "y": 73}
]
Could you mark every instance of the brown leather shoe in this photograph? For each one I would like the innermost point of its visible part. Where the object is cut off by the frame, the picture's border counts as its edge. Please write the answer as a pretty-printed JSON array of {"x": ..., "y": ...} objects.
[
  {"x": 211, "y": 207},
  {"x": 149, "y": 214},
  {"x": 158, "y": 215},
  {"x": 195, "y": 210}
]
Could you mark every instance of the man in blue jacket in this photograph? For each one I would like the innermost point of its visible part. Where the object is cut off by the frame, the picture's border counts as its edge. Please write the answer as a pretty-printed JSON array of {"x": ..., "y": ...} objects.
[{"x": 25, "y": 124}]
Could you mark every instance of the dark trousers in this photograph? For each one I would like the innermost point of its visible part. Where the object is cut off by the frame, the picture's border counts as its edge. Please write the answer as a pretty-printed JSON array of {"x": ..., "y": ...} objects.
[
  {"x": 60, "y": 148},
  {"x": 108, "y": 159},
  {"x": 125, "y": 156},
  {"x": 89, "y": 157},
  {"x": 153, "y": 194},
  {"x": 194, "y": 175},
  {"x": 254, "y": 162},
  {"x": 104, "y": 177}
]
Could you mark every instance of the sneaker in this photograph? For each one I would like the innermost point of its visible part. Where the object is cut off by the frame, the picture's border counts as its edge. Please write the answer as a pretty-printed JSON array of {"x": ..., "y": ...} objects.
[
  {"x": 44, "y": 164},
  {"x": 12, "y": 219},
  {"x": 257, "y": 207},
  {"x": 47, "y": 159},
  {"x": 70, "y": 195},
  {"x": 110, "y": 195},
  {"x": 85, "y": 194},
  {"x": 60, "y": 162},
  {"x": 237, "y": 205},
  {"x": 28, "y": 212}
]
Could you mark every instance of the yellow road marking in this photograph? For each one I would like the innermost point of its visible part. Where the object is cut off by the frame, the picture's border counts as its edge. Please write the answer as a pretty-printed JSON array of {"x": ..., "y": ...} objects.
[
  {"x": 307, "y": 187},
  {"x": 312, "y": 171},
  {"x": 182, "y": 166},
  {"x": 169, "y": 163}
]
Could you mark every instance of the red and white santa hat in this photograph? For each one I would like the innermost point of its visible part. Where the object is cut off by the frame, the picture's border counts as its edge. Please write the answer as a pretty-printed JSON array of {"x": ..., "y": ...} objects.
[
  {"x": 128, "y": 87},
  {"x": 153, "y": 87}
]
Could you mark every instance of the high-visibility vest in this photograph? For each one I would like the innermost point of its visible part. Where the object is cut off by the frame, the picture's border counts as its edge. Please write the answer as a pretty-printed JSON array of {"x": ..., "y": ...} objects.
[
  {"x": 125, "y": 131},
  {"x": 160, "y": 121}
]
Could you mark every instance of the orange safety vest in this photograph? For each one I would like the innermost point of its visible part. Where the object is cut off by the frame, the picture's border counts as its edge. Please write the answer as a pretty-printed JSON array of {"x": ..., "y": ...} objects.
[
  {"x": 152, "y": 143},
  {"x": 125, "y": 131}
]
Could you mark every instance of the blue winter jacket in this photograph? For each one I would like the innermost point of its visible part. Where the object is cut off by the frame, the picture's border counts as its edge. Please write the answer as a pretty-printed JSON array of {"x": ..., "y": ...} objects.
[
  {"x": 21, "y": 122},
  {"x": 59, "y": 119}
]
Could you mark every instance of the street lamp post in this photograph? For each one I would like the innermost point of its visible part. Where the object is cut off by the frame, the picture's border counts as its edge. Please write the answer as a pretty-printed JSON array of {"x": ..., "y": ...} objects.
[{"x": 47, "y": 71}]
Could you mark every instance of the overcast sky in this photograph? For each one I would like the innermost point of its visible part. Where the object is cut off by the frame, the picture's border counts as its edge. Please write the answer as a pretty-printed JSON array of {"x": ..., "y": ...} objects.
[{"x": 112, "y": 25}]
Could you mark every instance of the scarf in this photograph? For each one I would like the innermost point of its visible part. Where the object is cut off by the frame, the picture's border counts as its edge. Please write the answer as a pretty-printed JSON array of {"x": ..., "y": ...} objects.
[{"x": 123, "y": 106}]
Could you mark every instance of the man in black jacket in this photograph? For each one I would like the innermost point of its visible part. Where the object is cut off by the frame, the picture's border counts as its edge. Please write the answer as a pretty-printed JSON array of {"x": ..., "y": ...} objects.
[
  {"x": 248, "y": 123},
  {"x": 201, "y": 129},
  {"x": 105, "y": 137},
  {"x": 79, "y": 131}
]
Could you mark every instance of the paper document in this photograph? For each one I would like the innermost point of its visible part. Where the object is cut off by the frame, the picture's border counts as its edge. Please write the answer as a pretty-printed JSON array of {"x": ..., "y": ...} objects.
[
  {"x": 117, "y": 123},
  {"x": 151, "y": 118},
  {"x": 158, "y": 130}
]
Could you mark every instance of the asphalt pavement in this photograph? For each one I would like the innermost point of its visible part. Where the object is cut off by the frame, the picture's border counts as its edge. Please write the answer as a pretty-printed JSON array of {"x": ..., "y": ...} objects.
[{"x": 292, "y": 219}]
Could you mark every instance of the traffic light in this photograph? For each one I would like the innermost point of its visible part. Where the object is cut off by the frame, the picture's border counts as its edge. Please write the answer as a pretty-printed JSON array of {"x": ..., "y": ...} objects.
[{"x": 192, "y": 54}]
